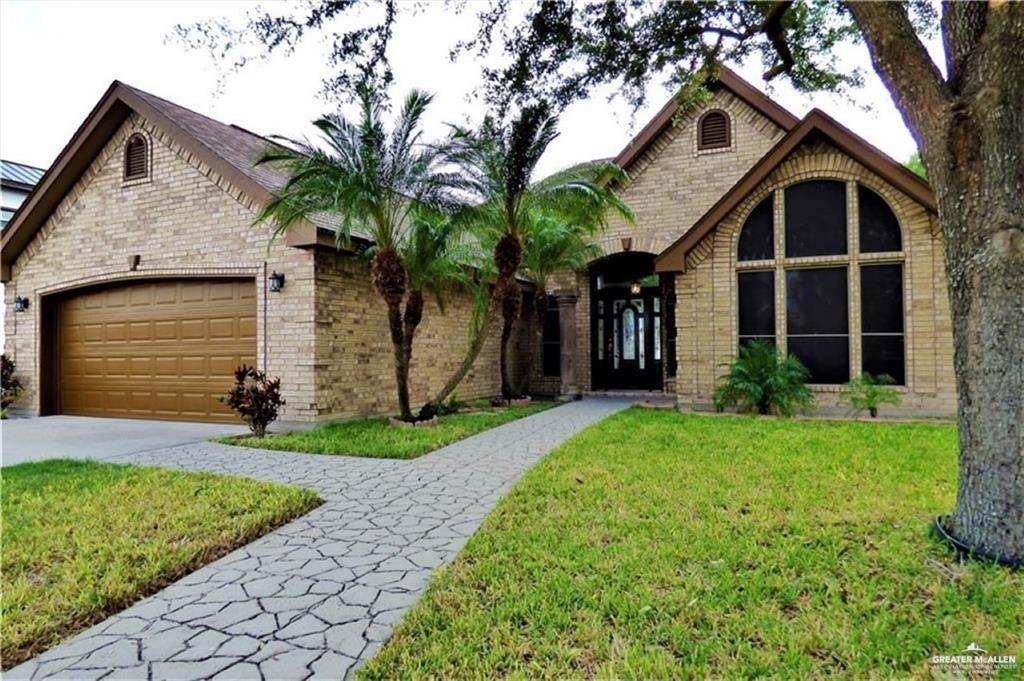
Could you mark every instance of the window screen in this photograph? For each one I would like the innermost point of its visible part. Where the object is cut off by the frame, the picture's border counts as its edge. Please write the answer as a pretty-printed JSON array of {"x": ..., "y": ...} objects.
[
  {"x": 879, "y": 228},
  {"x": 817, "y": 322},
  {"x": 815, "y": 219},
  {"x": 551, "y": 340},
  {"x": 757, "y": 306},
  {"x": 881, "y": 313},
  {"x": 757, "y": 237}
]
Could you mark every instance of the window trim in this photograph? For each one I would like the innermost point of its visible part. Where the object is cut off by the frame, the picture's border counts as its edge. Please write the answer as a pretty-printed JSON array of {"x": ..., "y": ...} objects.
[{"x": 701, "y": 146}]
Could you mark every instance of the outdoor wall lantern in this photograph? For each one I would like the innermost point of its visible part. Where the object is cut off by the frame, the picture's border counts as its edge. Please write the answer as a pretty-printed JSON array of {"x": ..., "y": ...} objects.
[
  {"x": 276, "y": 282},
  {"x": 20, "y": 304},
  {"x": 634, "y": 288}
]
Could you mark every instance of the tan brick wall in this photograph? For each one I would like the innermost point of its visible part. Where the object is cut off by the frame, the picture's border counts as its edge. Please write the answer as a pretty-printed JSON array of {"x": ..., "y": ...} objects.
[
  {"x": 672, "y": 184},
  {"x": 707, "y": 315},
  {"x": 355, "y": 371},
  {"x": 184, "y": 220},
  {"x": 326, "y": 333}
]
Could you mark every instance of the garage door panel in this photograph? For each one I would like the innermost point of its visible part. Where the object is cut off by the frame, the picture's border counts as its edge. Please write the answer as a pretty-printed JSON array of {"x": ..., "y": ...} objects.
[
  {"x": 159, "y": 349},
  {"x": 165, "y": 330},
  {"x": 247, "y": 327},
  {"x": 223, "y": 327}
]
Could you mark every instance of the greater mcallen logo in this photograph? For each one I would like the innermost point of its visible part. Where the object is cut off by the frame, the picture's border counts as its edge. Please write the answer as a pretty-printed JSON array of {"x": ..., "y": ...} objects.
[{"x": 976, "y": 659}]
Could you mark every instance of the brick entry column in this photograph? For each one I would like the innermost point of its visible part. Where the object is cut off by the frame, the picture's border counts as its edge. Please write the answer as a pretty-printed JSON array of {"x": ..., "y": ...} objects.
[{"x": 566, "y": 300}]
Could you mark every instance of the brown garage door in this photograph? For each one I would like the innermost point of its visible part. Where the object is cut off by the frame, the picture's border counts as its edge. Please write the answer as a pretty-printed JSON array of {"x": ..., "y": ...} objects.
[{"x": 156, "y": 349}]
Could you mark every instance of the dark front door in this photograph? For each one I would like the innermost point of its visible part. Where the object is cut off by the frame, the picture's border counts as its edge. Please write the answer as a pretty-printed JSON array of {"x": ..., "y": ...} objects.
[{"x": 627, "y": 342}]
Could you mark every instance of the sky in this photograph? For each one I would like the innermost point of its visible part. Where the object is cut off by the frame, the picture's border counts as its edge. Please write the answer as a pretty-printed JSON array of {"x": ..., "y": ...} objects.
[{"x": 57, "y": 57}]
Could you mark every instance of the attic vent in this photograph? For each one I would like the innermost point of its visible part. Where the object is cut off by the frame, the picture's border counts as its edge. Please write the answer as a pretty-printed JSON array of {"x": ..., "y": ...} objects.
[
  {"x": 136, "y": 158},
  {"x": 713, "y": 131}
]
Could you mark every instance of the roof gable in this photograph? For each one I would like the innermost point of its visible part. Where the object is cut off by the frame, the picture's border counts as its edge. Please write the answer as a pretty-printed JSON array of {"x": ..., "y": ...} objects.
[
  {"x": 228, "y": 150},
  {"x": 728, "y": 80},
  {"x": 815, "y": 125}
]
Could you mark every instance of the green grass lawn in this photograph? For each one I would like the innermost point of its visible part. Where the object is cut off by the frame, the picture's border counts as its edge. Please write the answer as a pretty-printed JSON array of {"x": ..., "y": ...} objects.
[
  {"x": 376, "y": 437},
  {"x": 662, "y": 545},
  {"x": 83, "y": 540}
]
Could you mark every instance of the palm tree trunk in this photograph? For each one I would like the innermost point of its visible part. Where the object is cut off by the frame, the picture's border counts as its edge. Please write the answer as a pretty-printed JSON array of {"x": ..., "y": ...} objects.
[
  {"x": 387, "y": 271},
  {"x": 429, "y": 410},
  {"x": 398, "y": 345},
  {"x": 507, "y": 390}
]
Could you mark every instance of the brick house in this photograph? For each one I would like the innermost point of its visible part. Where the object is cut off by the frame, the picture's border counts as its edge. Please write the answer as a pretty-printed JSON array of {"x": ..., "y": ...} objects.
[{"x": 141, "y": 281}]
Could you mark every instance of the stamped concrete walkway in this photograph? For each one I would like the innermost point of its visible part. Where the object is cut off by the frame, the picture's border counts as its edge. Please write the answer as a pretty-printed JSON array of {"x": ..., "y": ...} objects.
[{"x": 321, "y": 594}]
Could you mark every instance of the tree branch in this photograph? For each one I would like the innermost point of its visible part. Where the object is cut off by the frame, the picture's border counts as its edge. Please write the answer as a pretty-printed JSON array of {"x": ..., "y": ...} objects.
[
  {"x": 963, "y": 24},
  {"x": 899, "y": 58},
  {"x": 772, "y": 28}
]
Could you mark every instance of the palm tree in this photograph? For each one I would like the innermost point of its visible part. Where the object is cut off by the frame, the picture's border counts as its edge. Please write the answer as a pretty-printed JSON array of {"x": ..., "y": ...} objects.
[
  {"x": 389, "y": 186},
  {"x": 549, "y": 246},
  {"x": 498, "y": 163}
]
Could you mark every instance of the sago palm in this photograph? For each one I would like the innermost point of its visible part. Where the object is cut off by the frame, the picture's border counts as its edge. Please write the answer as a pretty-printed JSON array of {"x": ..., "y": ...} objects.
[
  {"x": 498, "y": 162},
  {"x": 379, "y": 183},
  {"x": 761, "y": 379}
]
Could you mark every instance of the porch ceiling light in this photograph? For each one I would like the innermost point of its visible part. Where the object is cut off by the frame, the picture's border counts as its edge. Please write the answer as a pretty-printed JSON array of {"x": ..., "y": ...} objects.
[
  {"x": 275, "y": 282},
  {"x": 635, "y": 288},
  {"x": 20, "y": 304}
]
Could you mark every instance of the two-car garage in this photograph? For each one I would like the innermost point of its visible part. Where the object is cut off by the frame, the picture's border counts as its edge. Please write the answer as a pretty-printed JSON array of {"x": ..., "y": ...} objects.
[{"x": 159, "y": 349}]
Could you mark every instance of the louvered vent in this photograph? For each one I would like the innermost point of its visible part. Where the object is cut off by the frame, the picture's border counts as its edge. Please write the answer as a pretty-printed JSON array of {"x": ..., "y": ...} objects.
[
  {"x": 136, "y": 163},
  {"x": 714, "y": 130}
]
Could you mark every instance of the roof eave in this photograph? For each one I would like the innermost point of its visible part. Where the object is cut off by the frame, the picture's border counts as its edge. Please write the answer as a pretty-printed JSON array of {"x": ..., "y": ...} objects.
[
  {"x": 673, "y": 258},
  {"x": 732, "y": 82},
  {"x": 89, "y": 139}
]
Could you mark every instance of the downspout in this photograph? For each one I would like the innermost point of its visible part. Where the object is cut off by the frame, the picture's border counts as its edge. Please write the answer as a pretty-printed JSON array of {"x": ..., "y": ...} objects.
[{"x": 266, "y": 294}]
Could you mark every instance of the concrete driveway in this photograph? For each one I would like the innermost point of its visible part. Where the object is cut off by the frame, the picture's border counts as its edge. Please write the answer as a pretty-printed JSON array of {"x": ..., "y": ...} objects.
[{"x": 78, "y": 437}]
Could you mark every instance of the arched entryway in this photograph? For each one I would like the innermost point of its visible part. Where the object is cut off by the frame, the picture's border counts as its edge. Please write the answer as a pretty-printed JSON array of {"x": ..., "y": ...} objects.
[{"x": 626, "y": 323}]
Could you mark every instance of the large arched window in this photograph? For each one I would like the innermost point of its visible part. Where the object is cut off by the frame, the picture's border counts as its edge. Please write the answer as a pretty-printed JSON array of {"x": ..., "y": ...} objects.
[
  {"x": 713, "y": 131},
  {"x": 817, "y": 266},
  {"x": 136, "y": 158}
]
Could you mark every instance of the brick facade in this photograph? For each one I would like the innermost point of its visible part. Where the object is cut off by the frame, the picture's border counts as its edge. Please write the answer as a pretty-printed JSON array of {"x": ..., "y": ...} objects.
[
  {"x": 707, "y": 317},
  {"x": 673, "y": 185},
  {"x": 324, "y": 334}
]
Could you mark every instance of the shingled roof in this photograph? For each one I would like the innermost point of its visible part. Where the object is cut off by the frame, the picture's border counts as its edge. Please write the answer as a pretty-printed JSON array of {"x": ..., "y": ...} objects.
[{"x": 229, "y": 149}]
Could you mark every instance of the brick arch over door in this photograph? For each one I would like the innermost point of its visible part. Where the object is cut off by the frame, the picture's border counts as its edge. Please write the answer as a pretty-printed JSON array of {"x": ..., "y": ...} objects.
[{"x": 149, "y": 348}]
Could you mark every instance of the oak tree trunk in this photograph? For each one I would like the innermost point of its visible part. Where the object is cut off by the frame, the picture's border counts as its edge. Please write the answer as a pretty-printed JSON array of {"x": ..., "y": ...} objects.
[{"x": 970, "y": 128}]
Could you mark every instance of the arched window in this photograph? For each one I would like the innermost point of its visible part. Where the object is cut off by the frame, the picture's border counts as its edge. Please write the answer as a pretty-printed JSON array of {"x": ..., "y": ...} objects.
[
  {"x": 814, "y": 273},
  {"x": 879, "y": 228},
  {"x": 136, "y": 158},
  {"x": 757, "y": 238},
  {"x": 713, "y": 131}
]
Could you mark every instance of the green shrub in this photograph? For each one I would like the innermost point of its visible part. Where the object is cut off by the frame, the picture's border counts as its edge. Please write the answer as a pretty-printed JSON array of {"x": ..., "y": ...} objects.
[
  {"x": 869, "y": 392},
  {"x": 761, "y": 379}
]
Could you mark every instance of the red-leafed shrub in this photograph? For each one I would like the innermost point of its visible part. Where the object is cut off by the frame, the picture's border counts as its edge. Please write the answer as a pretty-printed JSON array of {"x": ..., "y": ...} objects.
[
  {"x": 10, "y": 387},
  {"x": 255, "y": 398}
]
